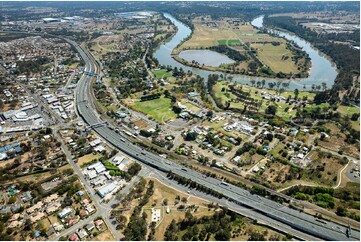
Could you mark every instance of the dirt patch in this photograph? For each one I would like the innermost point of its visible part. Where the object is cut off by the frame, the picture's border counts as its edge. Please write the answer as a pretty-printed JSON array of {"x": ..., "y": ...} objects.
[
  {"x": 104, "y": 236},
  {"x": 86, "y": 158}
]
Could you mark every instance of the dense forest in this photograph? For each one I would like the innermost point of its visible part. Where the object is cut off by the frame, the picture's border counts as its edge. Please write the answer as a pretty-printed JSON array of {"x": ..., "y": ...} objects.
[
  {"x": 233, "y": 54},
  {"x": 346, "y": 58}
]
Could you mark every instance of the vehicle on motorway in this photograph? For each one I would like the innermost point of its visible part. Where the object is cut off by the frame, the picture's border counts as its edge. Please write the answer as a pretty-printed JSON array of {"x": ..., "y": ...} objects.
[
  {"x": 184, "y": 169},
  {"x": 121, "y": 139},
  {"x": 224, "y": 183}
]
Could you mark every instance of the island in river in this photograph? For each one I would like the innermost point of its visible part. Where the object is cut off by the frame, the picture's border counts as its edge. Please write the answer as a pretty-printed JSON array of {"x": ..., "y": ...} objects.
[
  {"x": 321, "y": 69},
  {"x": 254, "y": 52}
]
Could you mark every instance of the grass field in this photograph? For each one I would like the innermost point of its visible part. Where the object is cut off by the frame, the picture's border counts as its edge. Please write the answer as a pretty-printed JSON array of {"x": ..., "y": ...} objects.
[
  {"x": 158, "y": 109},
  {"x": 161, "y": 74},
  {"x": 346, "y": 110},
  {"x": 248, "y": 34},
  {"x": 204, "y": 37},
  {"x": 272, "y": 55},
  {"x": 190, "y": 106},
  {"x": 229, "y": 42},
  {"x": 281, "y": 105}
]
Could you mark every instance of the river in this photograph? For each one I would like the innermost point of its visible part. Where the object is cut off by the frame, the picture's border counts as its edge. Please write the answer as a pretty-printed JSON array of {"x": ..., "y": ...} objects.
[{"x": 322, "y": 70}]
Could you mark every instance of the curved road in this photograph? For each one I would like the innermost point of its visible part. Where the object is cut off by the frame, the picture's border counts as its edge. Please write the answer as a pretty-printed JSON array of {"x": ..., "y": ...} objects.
[{"x": 281, "y": 217}]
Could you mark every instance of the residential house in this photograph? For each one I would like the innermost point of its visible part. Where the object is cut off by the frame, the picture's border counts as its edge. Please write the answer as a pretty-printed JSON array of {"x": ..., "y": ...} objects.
[
  {"x": 65, "y": 212},
  {"x": 74, "y": 237},
  {"x": 90, "y": 227},
  {"x": 82, "y": 233},
  {"x": 98, "y": 223}
]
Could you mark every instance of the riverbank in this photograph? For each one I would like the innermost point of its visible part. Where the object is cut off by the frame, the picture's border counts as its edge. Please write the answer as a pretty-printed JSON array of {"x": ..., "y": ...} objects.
[
  {"x": 229, "y": 71},
  {"x": 321, "y": 69}
]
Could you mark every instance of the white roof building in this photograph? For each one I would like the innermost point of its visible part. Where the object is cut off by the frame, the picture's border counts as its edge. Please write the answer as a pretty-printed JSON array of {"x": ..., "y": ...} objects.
[
  {"x": 95, "y": 142},
  {"x": 300, "y": 156},
  {"x": 65, "y": 212},
  {"x": 118, "y": 159},
  {"x": 105, "y": 190}
]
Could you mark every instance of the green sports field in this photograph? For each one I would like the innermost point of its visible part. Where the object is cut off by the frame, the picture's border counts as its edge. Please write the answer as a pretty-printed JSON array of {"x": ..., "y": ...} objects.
[
  {"x": 229, "y": 42},
  {"x": 161, "y": 74},
  {"x": 158, "y": 109}
]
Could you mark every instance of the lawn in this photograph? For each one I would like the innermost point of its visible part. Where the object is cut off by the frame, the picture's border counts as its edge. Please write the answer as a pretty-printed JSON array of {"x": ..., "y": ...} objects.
[
  {"x": 224, "y": 96},
  {"x": 158, "y": 109},
  {"x": 161, "y": 74},
  {"x": 272, "y": 56},
  {"x": 347, "y": 110},
  {"x": 191, "y": 107},
  {"x": 229, "y": 42}
]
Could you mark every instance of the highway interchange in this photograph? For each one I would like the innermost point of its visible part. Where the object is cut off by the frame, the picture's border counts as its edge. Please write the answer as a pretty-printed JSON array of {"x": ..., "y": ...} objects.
[{"x": 276, "y": 215}]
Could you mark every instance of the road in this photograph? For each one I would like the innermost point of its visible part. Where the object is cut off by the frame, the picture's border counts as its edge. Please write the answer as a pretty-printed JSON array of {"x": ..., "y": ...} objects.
[
  {"x": 102, "y": 210},
  {"x": 274, "y": 214}
]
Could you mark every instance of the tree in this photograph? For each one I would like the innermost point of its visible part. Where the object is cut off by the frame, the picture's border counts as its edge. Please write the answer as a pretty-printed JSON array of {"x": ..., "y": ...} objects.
[
  {"x": 355, "y": 116},
  {"x": 324, "y": 86},
  {"x": 166, "y": 93},
  {"x": 272, "y": 109},
  {"x": 255, "y": 236},
  {"x": 223, "y": 235},
  {"x": 296, "y": 92},
  {"x": 191, "y": 136},
  {"x": 341, "y": 211},
  {"x": 210, "y": 114},
  {"x": 170, "y": 233},
  {"x": 12, "y": 200}
]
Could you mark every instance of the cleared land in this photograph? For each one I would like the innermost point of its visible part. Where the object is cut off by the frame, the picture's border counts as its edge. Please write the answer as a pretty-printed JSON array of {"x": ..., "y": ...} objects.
[
  {"x": 274, "y": 57},
  {"x": 221, "y": 32},
  {"x": 87, "y": 158},
  {"x": 158, "y": 109},
  {"x": 160, "y": 192}
]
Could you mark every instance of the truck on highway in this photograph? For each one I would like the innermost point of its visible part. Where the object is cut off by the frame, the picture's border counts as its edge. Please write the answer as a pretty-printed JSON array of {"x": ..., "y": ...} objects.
[{"x": 224, "y": 183}]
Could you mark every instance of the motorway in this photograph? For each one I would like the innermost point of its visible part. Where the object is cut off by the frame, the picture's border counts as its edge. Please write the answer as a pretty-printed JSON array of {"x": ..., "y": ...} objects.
[{"x": 281, "y": 217}]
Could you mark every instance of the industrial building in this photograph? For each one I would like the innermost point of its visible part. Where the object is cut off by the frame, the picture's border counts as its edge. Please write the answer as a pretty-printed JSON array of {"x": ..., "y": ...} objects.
[
  {"x": 50, "y": 20},
  {"x": 102, "y": 192}
]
